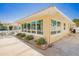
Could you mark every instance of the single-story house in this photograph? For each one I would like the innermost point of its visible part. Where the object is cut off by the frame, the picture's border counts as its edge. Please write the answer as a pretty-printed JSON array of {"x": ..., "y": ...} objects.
[{"x": 49, "y": 23}]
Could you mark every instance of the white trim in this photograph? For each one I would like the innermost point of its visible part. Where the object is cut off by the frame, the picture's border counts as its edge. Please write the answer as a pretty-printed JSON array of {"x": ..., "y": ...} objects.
[
  {"x": 63, "y": 14},
  {"x": 36, "y": 26},
  {"x": 57, "y": 34},
  {"x": 34, "y": 34}
]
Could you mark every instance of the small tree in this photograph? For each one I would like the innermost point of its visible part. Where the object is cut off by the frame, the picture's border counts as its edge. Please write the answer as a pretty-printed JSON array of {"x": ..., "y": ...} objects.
[
  {"x": 76, "y": 21},
  {"x": 10, "y": 27}
]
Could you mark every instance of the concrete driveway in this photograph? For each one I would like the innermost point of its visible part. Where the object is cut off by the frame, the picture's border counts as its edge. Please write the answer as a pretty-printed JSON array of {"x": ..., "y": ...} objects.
[
  {"x": 69, "y": 45},
  {"x": 14, "y": 47}
]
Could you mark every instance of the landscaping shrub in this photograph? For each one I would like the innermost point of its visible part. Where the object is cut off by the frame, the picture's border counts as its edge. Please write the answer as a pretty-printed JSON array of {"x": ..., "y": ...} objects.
[
  {"x": 21, "y": 35},
  {"x": 41, "y": 41},
  {"x": 29, "y": 37}
]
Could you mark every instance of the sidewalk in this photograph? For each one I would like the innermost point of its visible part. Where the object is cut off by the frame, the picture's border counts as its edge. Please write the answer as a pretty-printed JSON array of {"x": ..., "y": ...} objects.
[{"x": 11, "y": 46}]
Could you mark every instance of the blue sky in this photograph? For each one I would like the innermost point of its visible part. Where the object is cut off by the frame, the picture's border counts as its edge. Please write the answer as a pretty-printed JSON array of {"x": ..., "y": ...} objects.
[{"x": 11, "y": 12}]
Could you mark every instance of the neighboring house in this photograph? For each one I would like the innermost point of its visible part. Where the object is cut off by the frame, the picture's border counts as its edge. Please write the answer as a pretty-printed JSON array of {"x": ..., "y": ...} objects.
[{"x": 49, "y": 23}]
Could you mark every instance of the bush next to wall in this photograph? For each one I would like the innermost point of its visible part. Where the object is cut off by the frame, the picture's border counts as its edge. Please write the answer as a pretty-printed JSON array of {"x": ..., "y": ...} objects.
[
  {"x": 41, "y": 43},
  {"x": 29, "y": 37}
]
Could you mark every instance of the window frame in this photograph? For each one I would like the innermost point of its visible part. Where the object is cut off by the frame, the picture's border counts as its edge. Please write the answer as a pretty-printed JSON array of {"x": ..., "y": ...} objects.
[
  {"x": 55, "y": 29},
  {"x": 31, "y": 28},
  {"x": 40, "y": 31}
]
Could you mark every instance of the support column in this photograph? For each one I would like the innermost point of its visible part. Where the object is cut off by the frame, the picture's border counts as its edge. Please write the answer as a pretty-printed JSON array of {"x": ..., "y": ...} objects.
[{"x": 47, "y": 29}]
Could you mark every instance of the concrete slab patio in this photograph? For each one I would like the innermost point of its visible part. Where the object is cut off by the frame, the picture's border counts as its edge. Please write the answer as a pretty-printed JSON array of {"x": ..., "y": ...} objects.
[{"x": 11, "y": 46}]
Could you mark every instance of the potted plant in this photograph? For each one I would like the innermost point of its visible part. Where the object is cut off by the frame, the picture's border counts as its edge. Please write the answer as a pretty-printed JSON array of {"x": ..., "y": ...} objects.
[{"x": 41, "y": 43}]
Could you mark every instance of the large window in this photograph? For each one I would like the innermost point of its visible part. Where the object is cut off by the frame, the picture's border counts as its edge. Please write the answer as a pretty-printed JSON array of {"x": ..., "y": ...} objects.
[
  {"x": 55, "y": 26},
  {"x": 64, "y": 26},
  {"x": 40, "y": 27},
  {"x": 53, "y": 23},
  {"x": 58, "y": 23},
  {"x": 33, "y": 27},
  {"x": 58, "y": 27},
  {"x": 28, "y": 27},
  {"x": 24, "y": 27}
]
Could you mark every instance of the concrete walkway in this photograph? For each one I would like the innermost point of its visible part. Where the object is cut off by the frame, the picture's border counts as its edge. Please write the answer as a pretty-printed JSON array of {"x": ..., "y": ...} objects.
[{"x": 11, "y": 46}]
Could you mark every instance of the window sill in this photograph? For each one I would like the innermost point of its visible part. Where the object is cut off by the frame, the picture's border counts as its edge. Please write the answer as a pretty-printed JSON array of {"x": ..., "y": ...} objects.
[{"x": 41, "y": 35}]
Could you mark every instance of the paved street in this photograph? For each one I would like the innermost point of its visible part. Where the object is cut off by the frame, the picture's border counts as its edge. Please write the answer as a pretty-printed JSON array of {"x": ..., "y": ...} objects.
[{"x": 11, "y": 46}]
